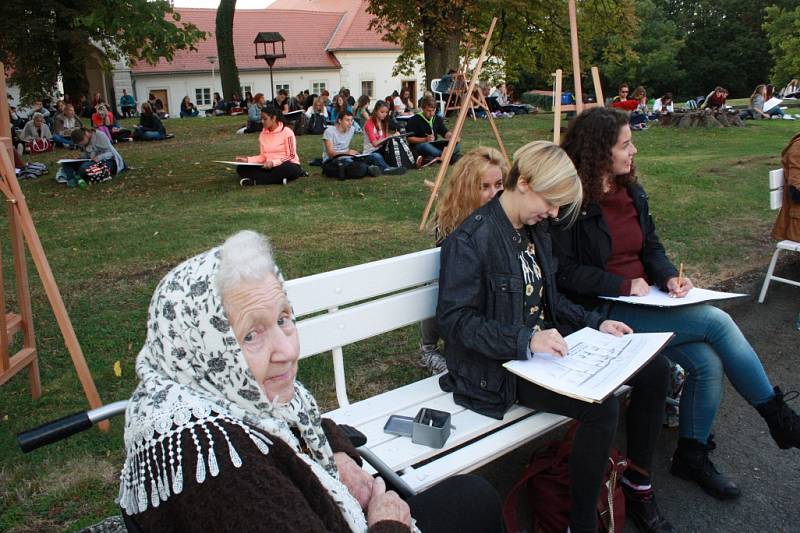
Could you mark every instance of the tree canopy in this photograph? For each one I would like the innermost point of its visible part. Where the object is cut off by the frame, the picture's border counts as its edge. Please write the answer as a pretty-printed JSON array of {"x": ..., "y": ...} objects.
[{"x": 44, "y": 39}]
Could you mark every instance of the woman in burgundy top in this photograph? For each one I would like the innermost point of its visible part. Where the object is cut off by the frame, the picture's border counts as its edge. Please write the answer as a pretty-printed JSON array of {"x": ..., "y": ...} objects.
[{"x": 613, "y": 250}]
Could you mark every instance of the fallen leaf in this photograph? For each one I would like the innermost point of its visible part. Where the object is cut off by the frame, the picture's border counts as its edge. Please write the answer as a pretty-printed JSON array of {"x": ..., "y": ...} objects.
[
  {"x": 118, "y": 369},
  {"x": 154, "y": 234}
]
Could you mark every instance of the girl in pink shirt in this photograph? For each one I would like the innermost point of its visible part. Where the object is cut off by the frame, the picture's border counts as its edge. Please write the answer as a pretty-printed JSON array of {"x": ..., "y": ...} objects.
[{"x": 278, "y": 159}]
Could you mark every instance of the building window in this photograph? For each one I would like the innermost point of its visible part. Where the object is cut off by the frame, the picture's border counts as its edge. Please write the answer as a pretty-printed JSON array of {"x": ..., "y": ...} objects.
[
  {"x": 282, "y": 86},
  {"x": 246, "y": 89},
  {"x": 368, "y": 88},
  {"x": 202, "y": 96},
  {"x": 318, "y": 86}
]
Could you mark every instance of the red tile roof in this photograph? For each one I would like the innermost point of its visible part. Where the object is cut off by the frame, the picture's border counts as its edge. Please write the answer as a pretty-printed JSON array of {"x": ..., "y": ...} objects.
[
  {"x": 307, "y": 34},
  {"x": 313, "y": 30}
]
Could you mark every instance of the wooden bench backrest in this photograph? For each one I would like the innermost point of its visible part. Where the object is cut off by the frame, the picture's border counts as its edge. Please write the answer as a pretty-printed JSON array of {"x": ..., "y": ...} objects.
[
  {"x": 350, "y": 304},
  {"x": 775, "y": 188}
]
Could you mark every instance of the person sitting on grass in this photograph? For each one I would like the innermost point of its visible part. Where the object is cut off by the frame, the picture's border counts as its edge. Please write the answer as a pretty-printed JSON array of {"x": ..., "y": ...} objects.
[
  {"x": 64, "y": 124},
  {"x": 475, "y": 179},
  {"x": 340, "y": 161},
  {"x": 424, "y": 129},
  {"x": 36, "y": 128},
  {"x": 716, "y": 99},
  {"x": 254, "y": 114},
  {"x": 150, "y": 127},
  {"x": 220, "y": 106},
  {"x": 339, "y": 106},
  {"x": 361, "y": 113},
  {"x": 277, "y": 153},
  {"x": 613, "y": 249},
  {"x": 188, "y": 109},
  {"x": 664, "y": 105},
  {"x": 127, "y": 104},
  {"x": 376, "y": 130},
  {"x": 103, "y": 119},
  {"x": 105, "y": 160},
  {"x": 757, "y": 101}
]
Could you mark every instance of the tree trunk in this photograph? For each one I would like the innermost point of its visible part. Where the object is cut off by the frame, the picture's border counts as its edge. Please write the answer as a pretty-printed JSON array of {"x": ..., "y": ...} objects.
[
  {"x": 441, "y": 57},
  {"x": 228, "y": 72},
  {"x": 442, "y": 27}
]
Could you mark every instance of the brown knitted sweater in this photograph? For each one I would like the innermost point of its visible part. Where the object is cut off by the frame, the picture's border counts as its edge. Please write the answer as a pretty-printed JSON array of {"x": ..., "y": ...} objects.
[{"x": 274, "y": 492}]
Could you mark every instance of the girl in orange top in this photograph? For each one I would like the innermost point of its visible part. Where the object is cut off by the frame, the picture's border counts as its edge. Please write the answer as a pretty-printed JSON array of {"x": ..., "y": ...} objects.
[{"x": 278, "y": 153}]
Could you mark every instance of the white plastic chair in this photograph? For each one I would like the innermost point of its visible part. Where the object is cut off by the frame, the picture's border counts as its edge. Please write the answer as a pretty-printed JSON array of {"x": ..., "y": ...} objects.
[
  {"x": 776, "y": 184},
  {"x": 439, "y": 96}
]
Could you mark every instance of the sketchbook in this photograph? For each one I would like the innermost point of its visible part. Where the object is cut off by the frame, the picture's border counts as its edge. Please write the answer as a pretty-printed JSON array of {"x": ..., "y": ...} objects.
[
  {"x": 239, "y": 164},
  {"x": 772, "y": 102},
  {"x": 658, "y": 298},
  {"x": 596, "y": 365},
  {"x": 67, "y": 161}
]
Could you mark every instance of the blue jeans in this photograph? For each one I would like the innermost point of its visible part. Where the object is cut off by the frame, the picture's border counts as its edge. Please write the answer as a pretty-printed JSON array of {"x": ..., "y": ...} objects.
[
  {"x": 67, "y": 142},
  {"x": 708, "y": 345},
  {"x": 150, "y": 135},
  {"x": 775, "y": 112},
  {"x": 435, "y": 149},
  {"x": 377, "y": 159}
]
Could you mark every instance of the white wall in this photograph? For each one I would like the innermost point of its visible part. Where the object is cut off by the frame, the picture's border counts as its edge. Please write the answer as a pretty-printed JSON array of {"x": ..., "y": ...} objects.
[{"x": 377, "y": 67}]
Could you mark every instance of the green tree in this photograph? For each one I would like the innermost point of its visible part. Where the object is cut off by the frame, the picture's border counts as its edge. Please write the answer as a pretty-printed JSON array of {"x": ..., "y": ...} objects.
[
  {"x": 782, "y": 27},
  {"x": 44, "y": 39},
  {"x": 228, "y": 71}
]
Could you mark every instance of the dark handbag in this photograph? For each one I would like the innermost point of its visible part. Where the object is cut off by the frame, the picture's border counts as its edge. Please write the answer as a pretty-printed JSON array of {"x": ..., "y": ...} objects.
[
  {"x": 397, "y": 153},
  {"x": 547, "y": 480}
]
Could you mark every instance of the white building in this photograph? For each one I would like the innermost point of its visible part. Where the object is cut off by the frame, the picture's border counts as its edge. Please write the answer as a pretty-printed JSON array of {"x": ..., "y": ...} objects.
[{"x": 328, "y": 46}]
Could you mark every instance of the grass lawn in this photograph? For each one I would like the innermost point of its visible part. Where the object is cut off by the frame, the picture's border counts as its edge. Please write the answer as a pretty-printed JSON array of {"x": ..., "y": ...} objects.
[{"x": 110, "y": 244}]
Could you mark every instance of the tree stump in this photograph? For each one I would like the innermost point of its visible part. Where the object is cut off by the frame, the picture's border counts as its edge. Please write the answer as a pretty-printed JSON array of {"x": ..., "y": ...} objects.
[{"x": 704, "y": 118}]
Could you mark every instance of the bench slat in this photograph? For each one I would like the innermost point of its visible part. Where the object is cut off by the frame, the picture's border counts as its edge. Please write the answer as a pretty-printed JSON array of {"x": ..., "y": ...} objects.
[
  {"x": 330, "y": 330},
  {"x": 360, "y": 282},
  {"x": 482, "y": 451}
]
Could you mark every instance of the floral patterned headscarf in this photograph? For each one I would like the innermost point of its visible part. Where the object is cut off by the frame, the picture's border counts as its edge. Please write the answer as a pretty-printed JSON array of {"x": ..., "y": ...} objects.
[{"x": 193, "y": 377}]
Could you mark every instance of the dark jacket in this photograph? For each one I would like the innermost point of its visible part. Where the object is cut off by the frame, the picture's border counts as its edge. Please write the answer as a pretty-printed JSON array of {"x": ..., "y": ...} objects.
[
  {"x": 584, "y": 248},
  {"x": 151, "y": 123},
  {"x": 418, "y": 126},
  {"x": 480, "y": 309}
]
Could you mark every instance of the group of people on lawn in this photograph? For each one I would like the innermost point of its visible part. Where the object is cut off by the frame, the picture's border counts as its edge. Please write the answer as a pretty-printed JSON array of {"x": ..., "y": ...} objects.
[{"x": 527, "y": 249}]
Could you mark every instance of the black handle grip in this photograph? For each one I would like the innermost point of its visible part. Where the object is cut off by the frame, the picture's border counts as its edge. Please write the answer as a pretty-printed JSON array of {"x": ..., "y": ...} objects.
[{"x": 53, "y": 431}]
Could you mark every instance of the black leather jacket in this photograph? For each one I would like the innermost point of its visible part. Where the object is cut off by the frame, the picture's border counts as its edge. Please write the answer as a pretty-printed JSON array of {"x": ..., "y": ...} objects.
[
  {"x": 584, "y": 248},
  {"x": 480, "y": 308}
]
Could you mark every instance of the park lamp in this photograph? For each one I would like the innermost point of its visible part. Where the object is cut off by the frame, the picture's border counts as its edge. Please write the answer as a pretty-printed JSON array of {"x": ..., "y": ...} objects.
[{"x": 267, "y": 49}]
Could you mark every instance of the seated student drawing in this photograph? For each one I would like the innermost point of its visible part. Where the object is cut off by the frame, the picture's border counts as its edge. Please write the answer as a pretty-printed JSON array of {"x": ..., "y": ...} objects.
[
  {"x": 150, "y": 127},
  {"x": 317, "y": 117},
  {"x": 103, "y": 120},
  {"x": 35, "y": 129},
  {"x": 376, "y": 130},
  {"x": 716, "y": 99},
  {"x": 340, "y": 161},
  {"x": 188, "y": 109},
  {"x": 425, "y": 128},
  {"x": 664, "y": 105},
  {"x": 105, "y": 160},
  {"x": 498, "y": 301},
  {"x": 277, "y": 153},
  {"x": 254, "y": 114},
  {"x": 613, "y": 250},
  {"x": 361, "y": 112}
]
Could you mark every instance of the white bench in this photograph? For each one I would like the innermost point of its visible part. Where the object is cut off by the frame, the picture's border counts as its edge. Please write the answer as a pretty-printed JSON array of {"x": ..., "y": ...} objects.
[
  {"x": 368, "y": 300},
  {"x": 776, "y": 184}
]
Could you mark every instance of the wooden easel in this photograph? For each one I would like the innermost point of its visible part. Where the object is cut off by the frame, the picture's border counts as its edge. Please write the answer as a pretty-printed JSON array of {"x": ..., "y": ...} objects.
[
  {"x": 458, "y": 87},
  {"x": 466, "y": 104},
  {"x": 579, "y": 106},
  {"x": 21, "y": 227}
]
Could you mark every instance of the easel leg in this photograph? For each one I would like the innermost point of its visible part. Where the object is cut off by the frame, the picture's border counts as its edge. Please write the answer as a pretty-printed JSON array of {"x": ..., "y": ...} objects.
[
  {"x": 482, "y": 102},
  {"x": 557, "y": 108}
]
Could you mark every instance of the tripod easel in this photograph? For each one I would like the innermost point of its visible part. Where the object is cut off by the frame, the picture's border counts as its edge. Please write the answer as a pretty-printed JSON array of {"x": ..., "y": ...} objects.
[
  {"x": 579, "y": 105},
  {"x": 23, "y": 231},
  {"x": 466, "y": 105},
  {"x": 458, "y": 88}
]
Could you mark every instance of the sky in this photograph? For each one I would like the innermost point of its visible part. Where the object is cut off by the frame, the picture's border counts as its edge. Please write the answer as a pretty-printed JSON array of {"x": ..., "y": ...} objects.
[{"x": 240, "y": 4}]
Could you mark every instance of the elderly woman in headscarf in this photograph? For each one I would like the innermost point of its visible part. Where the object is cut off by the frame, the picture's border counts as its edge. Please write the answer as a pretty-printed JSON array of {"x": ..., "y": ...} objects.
[{"x": 220, "y": 436}]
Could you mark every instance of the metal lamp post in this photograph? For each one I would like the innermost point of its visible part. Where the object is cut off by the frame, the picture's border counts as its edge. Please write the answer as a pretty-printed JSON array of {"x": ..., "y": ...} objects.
[{"x": 269, "y": 54}]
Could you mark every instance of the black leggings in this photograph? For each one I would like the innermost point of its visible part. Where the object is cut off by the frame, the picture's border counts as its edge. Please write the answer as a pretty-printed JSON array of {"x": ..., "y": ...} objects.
[
  {"x": 274, "y": 176},
  {"x": 460, "y": 504},
  {"x": 595, "y": 434}
]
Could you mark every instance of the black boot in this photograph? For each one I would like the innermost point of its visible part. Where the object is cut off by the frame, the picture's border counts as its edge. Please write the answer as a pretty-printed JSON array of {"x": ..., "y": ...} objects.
[
  {"x": 640, "y": 506},
  {"x": 691, "y": 461},
  {"x": 783, "y": 422}
]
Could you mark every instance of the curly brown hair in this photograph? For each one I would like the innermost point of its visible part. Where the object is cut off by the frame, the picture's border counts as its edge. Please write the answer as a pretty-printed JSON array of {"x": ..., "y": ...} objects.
[{"x": 588, "y": 142}]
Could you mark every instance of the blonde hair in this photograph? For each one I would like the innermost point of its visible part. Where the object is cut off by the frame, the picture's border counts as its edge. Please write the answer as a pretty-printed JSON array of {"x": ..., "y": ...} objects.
[
  {"x": 549, "y": 172},
  {"x": 462, "y": 195}
]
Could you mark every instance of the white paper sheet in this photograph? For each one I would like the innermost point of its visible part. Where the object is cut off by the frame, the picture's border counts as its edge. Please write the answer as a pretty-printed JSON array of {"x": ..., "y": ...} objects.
[
  {"x": 658, "y": 298},
  {"x": 239, "y": 164},
  {"x": 63, "y": 161},
  {"x": 772, "y": 102},
  {"x": 597, "y": 363}
]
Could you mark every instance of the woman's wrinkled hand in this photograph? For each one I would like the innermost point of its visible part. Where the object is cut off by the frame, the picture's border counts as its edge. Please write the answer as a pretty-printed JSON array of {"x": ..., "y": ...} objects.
[
  {"x": 387, "y": 506},
  {"x": 357, "y": 481}
]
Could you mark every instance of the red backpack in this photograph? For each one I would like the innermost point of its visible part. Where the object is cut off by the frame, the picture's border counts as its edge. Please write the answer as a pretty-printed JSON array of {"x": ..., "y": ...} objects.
[{"x": 547, "y": 479}]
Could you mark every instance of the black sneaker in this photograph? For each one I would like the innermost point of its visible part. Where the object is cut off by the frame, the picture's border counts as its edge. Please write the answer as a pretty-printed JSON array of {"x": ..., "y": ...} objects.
[
  {"x": 691, "y": 461},
  {"x": 247, "y": 182},
  {"x": 640, "y": 506},
  {"x": 374, "y": 170},
  {"x": 395, "y": 171}
]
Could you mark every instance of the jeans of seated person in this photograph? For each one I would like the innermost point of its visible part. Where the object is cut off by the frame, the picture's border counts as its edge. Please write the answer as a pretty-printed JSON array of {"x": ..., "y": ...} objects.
[
  {"x": 775, "y": 112},
  {"x": 595, "y": 434},
  {"x": 66, "y": 141},
  {"x": 637, "y": 118},
  {"x": 150, "y": 135},
  {"x": 190, "y": 114},
  {"x": 708, "y": 345},
  {"x": 377, "y": 159},
  {"x": 435, "y": 149}
]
